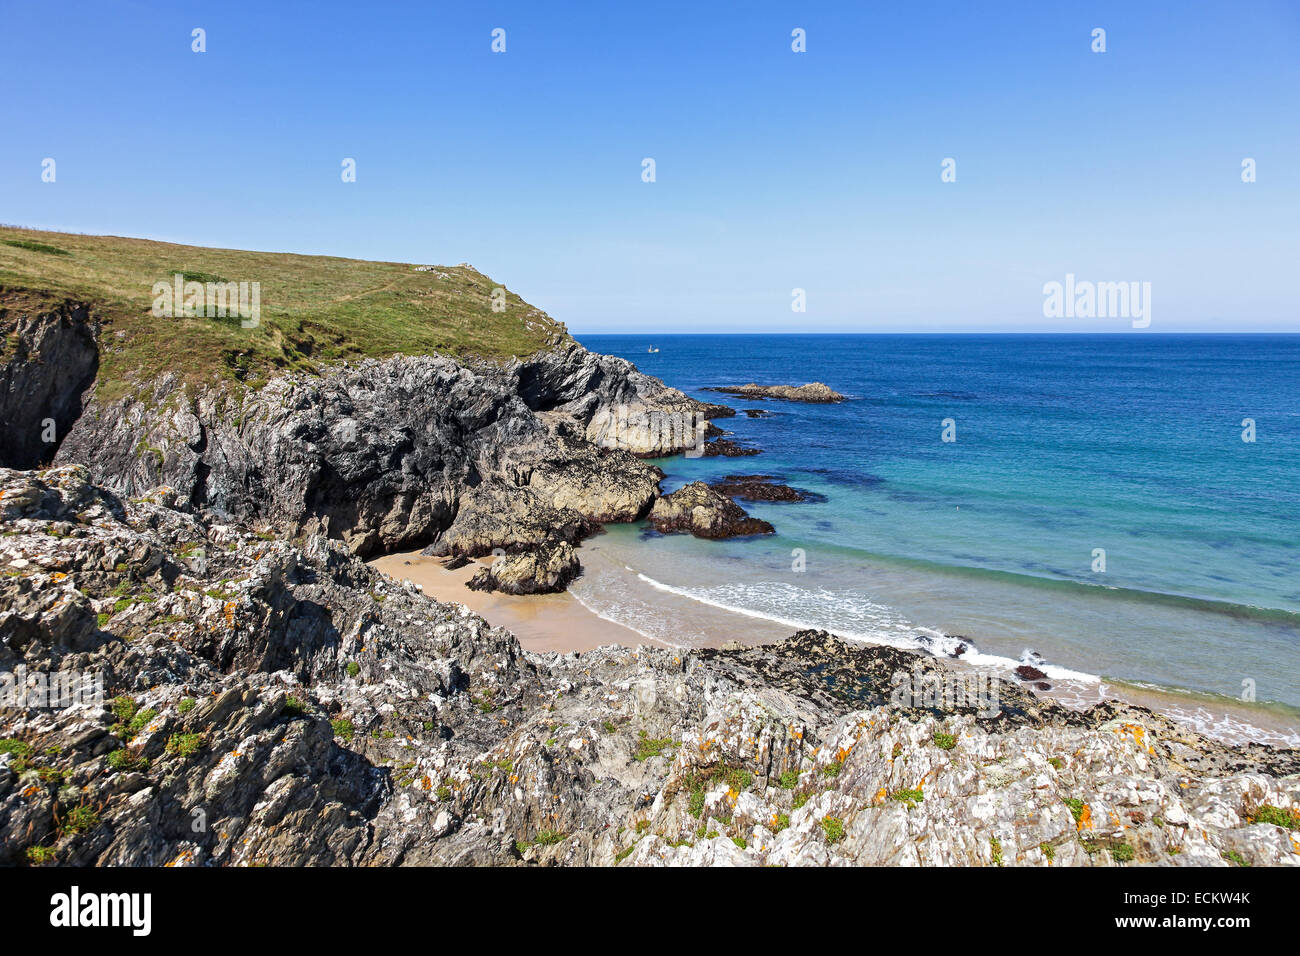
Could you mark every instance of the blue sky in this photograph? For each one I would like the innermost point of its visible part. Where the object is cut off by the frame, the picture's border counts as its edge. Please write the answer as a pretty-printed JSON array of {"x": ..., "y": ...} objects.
[{"x": 775, "y": 170}]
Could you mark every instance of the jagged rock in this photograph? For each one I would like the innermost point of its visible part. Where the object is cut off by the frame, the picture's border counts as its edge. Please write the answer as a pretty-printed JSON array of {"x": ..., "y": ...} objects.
[
  {"x": 815, "y": 392},
  {"x": 381, "y": 454},
  {"x": 48, "y": 359},
  {"x": 492, "y": 517},
  {"x": 279, "y": 704},
  {"x": 705, "y": 513},
  {"x": 548, "y": 568},
  {"x": 613, "y": 405}
]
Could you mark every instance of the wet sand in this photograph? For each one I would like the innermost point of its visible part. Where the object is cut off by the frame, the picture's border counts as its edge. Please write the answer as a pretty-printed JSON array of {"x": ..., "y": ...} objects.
[{"x": 542, "y": 622}]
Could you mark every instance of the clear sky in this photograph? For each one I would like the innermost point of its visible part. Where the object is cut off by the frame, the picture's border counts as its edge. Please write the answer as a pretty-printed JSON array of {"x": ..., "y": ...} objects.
[{"x": 775, "y": 170}]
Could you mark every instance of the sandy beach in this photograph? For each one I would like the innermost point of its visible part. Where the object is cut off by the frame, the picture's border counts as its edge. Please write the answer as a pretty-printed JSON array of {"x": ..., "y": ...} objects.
[
  {"x": 542, "y": 622},
  {"x": 562, "y": 623}
]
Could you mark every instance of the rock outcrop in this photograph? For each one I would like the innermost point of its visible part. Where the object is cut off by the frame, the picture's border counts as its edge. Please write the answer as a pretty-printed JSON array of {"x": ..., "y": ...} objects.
[
  {"x": 704, "y": 512},
  {"x": 401, "y": 453},
  {"x": 613, "y": 405},
  {"x": 543, "y": 570},
  {"x": 814, "y": 392},
  {"x": 48, "y": 359},
  {"x": 382, "y": 454},
  {"x": 259, "y": 702}
]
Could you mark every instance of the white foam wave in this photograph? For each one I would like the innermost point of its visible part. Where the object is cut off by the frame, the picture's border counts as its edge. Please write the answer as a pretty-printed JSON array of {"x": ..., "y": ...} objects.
[{"x": 849, "y": 615}]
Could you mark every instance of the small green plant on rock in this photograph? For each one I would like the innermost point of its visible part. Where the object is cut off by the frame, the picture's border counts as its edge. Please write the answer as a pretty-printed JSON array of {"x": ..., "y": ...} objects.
[
  {"x": 909, "y": 797},
  {"x": 647, "y": 747},
  {"x": 78, "y": 819},
  {"x": 945, "y": 741},
  {"x": 1288, "y": 819},
  {"x": 123, "y": 759},
  {"x": 40, "y": 855},
  {"x": 343, "y": 729},
  {"x": 184, "y": 745},
  {"x": 833, "y": 827}
]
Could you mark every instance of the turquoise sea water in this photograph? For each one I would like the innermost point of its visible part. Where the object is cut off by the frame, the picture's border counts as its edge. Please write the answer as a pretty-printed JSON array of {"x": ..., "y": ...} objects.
[{"x": 1065, "y": 444}]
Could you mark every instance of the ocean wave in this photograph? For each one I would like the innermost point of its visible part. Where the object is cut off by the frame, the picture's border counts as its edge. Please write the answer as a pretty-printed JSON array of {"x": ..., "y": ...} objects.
[
  {"x": 1252, "y": 612},
  {"x": 849, "y": 615}
]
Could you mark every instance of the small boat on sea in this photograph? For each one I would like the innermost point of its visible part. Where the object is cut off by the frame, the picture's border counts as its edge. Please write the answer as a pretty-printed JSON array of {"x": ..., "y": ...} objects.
[{"x": 652, "y": 349}]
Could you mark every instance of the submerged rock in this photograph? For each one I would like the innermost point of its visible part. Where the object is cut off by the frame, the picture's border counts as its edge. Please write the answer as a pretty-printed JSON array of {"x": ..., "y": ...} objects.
[
  {"x": 757, "y": 488},
  {"x": 705, "y": 513},
  {"x": 728, "y": 449}
]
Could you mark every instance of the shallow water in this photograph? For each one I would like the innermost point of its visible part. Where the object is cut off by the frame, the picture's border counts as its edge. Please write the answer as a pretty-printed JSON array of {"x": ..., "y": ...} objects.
[{"x": 1065, "y": 445}]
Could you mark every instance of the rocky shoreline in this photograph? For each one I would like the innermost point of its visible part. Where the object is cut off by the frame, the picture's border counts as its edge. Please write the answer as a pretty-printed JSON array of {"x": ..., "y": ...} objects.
[
  {"x": 283, "y": 704},
  {"x": 464, "y": 459},
  {"x": 262, "y": 696}
]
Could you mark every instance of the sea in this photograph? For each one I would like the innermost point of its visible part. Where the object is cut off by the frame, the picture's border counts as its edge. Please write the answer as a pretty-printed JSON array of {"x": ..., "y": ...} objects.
[{"x": 1121, "y": 511}]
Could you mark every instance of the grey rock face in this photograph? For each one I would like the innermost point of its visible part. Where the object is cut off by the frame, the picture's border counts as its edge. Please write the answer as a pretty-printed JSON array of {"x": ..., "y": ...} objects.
[
  {"x": 275, "y": 704},
  {"x": 382, "y": 454},
  {"x": 704, "y": 512},
  {"x": 48, "y": 359},
  {"x": 545, "y": 569},
  {"x": 614, "y": 405}
]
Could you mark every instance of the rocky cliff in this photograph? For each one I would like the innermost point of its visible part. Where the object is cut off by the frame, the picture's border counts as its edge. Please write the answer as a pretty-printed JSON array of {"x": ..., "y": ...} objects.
[
  {"x": 265, "y": 702},
  {"x": 465, "y": 457}
]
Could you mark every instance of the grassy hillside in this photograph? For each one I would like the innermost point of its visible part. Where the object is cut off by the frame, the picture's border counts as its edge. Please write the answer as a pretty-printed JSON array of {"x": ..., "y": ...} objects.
[{"x": 314, "y": 309}]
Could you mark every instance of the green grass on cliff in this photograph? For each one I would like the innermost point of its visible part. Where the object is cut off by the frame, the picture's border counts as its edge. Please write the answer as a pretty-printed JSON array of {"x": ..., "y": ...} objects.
[{"x": 314, "y": 309}]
